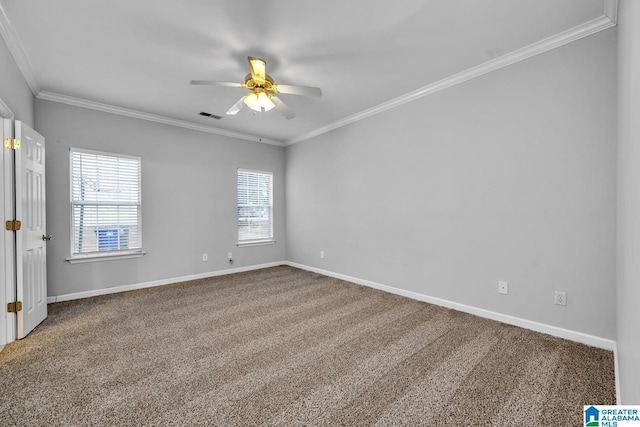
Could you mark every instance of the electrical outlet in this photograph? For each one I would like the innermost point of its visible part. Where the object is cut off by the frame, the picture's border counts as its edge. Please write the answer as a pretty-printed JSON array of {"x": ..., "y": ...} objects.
[
  {"x": 322, "y": 254},
  {"x": 205, "y": 257},
  {"x": 503, "y": 287},
  {"x": 560, "y": 298},
  {"x": 230, "y": 255}
]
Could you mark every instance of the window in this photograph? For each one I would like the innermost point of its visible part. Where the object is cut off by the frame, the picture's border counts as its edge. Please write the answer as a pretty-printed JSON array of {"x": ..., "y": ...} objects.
[
  {"x": 105, "y": 204},
  {"x": 255, "y": 206}
]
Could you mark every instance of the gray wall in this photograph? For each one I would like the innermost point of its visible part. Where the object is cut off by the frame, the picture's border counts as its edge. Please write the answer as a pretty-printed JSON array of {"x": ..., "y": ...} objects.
[
  {"x": 628, "y": 313},
  {"x": 14, "y": 91},
  {"x": 188, "y": 197},
  {"x": 510, "y": 176}
]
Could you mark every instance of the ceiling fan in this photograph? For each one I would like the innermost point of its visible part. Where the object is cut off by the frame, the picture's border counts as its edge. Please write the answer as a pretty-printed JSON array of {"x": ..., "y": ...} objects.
[{"x": 262, "y": 96}]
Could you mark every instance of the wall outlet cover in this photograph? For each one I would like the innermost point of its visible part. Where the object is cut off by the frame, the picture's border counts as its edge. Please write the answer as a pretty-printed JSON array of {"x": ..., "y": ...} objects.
[
  {"x": 560, "y": 298},
  {"x": 503, "y": 287}
]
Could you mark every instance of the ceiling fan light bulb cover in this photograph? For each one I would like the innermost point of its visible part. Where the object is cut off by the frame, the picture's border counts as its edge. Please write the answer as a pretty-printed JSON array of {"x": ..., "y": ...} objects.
[{"x": 258, "y": 102}]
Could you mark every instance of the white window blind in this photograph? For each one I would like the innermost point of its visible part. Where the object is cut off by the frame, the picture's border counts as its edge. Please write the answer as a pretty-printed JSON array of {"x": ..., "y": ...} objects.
[
  {"x": 105, "y": 204},
  {"x": 255, "y": 206}
]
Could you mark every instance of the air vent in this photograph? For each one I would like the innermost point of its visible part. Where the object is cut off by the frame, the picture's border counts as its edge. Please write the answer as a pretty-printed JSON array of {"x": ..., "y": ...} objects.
[{"x": 212, "y": 116}]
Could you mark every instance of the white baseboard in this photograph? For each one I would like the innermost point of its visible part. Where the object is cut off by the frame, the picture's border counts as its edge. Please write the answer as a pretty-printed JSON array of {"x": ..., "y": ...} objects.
[
  {"x": 162, "y": 282},
  {"x": 555, "y": 331},
  {"x": 580, "y": 337},
  {"x": 616, "y": 369}
]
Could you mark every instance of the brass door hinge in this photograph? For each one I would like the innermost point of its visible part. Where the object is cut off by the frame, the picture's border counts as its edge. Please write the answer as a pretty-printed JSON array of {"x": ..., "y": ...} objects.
[
  {"x": 13, "y": 225},
  {"x": 13, "y": 144},
  {"x": 14, "y": 307}
]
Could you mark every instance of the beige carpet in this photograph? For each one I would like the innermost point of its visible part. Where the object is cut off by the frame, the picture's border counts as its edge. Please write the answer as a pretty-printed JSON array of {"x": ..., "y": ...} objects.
[{"x": 286, "y": 347}]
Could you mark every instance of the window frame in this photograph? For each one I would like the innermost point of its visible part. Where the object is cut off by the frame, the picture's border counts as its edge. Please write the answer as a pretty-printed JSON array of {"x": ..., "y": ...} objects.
[
  {"x": 104, "y": 255},
  {"x": 256, "y": 241}
]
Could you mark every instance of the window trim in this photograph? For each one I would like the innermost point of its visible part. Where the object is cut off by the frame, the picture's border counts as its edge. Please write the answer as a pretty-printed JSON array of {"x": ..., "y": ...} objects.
[
  {"x": 75, "y": 258},
  {"x": 246, "y": 243},
  {"x": 79, "y": 259},
  {"x": 255, "y": 242}
]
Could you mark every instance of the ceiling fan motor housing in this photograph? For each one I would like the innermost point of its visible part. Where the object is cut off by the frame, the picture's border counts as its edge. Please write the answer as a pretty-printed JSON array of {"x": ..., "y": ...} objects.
[{"x": 267, "y": 86}]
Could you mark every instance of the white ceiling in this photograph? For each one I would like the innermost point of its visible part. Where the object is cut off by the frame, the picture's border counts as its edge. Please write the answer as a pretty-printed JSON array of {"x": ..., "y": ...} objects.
[{"x": 366, "y": 56}]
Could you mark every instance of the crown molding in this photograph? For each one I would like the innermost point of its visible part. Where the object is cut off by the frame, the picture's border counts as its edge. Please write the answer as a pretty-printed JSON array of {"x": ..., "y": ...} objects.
[
  {"x": 12, "y": 40},
  {"x": 611, "y": 10},
  {"x": 5, "y": 111},
  {"x": 10, "y": 37},
  {"x": 550, "y": 43},
  {"x": 608, "y": 20},
  {"x": 106, "y": 108}
]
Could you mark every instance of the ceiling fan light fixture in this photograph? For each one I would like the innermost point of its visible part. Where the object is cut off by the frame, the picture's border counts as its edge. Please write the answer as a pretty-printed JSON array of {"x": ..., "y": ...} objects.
[
  {"x": 259, "y": 102},
  {"x": 263, "y": 91}
]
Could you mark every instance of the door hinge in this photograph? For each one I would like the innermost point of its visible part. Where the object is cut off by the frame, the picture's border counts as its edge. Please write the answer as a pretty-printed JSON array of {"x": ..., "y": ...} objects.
[
  {"x": 14, "y": 307},
  {"x": 13, "y": 225},
  {"x": 13, "y": 144}
]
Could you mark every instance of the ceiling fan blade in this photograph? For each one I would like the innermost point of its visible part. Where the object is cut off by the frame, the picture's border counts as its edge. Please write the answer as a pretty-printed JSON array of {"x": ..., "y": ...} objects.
[
  {"x": 282, "y": 107},
  {"x": 214, "y": 83},
  {"x": 236, "y": 107},
  {"x": 299, "y": 90},
  {"x": 258, "y": 70}
]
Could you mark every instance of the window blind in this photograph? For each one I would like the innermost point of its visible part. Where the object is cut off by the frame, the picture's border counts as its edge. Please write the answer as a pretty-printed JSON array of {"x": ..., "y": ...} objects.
[
  {"x": 105, "y": 203},
  {"x": 255, "y": 206}
]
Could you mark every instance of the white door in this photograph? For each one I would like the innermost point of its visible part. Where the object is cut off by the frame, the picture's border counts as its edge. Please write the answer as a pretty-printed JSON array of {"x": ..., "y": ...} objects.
[{"x": 31, "y": 252}]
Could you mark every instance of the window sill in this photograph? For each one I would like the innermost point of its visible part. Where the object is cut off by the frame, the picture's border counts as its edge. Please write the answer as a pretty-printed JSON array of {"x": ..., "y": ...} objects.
[
  {"x": 104, "y": 257},
  {"x": 256, "y": 243}
]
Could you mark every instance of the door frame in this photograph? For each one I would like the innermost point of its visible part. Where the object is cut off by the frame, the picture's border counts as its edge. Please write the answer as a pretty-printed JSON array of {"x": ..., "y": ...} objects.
[{"x": 7, "y": 240}]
